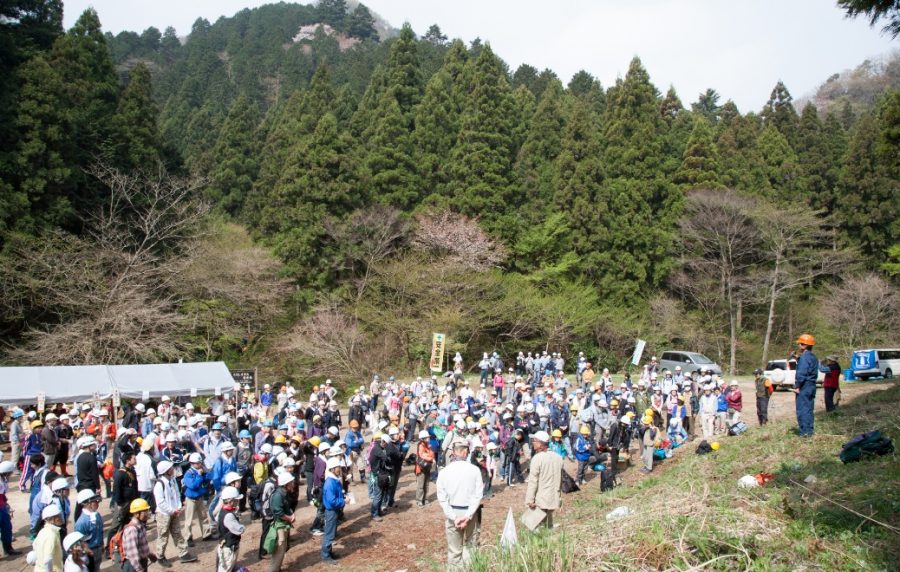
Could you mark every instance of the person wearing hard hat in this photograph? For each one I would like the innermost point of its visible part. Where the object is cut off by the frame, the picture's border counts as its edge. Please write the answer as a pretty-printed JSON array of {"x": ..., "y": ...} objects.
[
  {"x": 278, "y": 536},
  {"x": 6, "y": 535},
  {"x": 459, "y": 491},
  {"x": 544, "y": 478},
  {"x": 805, "y": 384},
  {"x": 333, "y": 504},
  {"x": 50, "y": 440},
  {"x": 48, "y": 550},
  {"x": 195, "y": 481},
  {"x": 582, "y": 453},
  {"x": 424, "y": 465},
  {"x": 90, "y": 526},
  {"x": 87, "y": 468},
  {"x": 648, "y": 439},
  {"x": 137, "y": 556},
  {"x": 226, "y": 463},
  {"x": 124, "y": 491},
  {"x": 169, "y": 514},
  {"x": 230, "y": 530},
  {"x": 764, "y": 389},
  {"x": 77, "y": 558}
]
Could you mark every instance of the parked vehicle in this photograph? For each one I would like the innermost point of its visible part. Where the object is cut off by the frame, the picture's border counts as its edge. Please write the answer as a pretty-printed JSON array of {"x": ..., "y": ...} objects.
[
  {"x": 875, "y": 363},
  {"x": 782, "y": 373},
  {"x": 690, "y": 362}
]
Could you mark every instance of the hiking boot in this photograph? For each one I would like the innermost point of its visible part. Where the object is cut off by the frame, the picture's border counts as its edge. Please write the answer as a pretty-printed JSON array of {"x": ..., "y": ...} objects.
[
  {"x": 377, "y": 518},
  {"x": 164, "y": 562},
  {"x": 188, "y": 557},
  {"x": 10, "y": 551},
  {"x": 190, "y": 542},
  {"x": 317, "y": 532}
]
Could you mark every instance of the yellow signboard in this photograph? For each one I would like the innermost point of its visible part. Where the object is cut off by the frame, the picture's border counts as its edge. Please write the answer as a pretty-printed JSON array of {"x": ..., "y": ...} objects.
[{"x": 437, "y": 352}]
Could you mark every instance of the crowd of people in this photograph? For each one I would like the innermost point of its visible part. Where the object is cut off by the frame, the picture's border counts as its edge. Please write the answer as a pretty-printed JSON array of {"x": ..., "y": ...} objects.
[{"x": 207, "y": 475}]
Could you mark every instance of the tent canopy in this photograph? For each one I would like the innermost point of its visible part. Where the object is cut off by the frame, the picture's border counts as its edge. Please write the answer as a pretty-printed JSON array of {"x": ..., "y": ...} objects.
[{"x": 21, "y": 385}]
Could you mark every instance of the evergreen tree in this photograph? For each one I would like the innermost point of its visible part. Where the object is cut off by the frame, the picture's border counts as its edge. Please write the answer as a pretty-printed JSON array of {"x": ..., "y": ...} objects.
[
  {"x": 43, "y": 161},
  {"x": 742, "y": 164},
  {"x": 137, "y": 135},
  {"x": 834, "y": 145},
  {"x": 333, "y": 13},
  {"x": 814, "y": 157},
  {"x": 404, "y": 76},
  {"x": 779, "y": 112},
  {"x": 867, "y": 201},
  {"x": 169, "y": 45},
  {"x": 235, "y": 157},
  {"x": 848, "y": 116},
  {"x": 643, "y": 205},
  {"x": 534, "y": 167},
  {"x": 437, "y": 127},
  {"x": 320, "y": 179},
  {"x": 390, "y": 158},
  {"x": 480, "y": 163},
  {"x": 671, "y": 106},
  {"x": 578, "y": 183},
  {"x": 781, "y": 165},
  {"x": 526, "y": 75},
  {"x": 700, "y": 165},
  {"x": 361, "y": 24},
  {"x": 434, "y": 36},
  {"x": 707, "y": 105},
  {"x": 588, "y": 89}
]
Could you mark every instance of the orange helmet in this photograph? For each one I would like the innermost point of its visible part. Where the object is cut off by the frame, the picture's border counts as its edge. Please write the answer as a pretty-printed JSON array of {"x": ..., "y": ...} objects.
[{"x": 806, "y": 340}]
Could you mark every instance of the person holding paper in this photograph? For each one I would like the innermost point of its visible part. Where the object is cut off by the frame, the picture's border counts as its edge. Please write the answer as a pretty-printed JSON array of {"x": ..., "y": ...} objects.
[
  {"x": 544, "y": 478},
  {"x": 459, "y": 492}
]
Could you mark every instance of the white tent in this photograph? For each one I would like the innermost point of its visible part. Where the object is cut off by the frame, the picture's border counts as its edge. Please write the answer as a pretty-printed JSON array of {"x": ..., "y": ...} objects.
[{"x": 21, "y": 385}]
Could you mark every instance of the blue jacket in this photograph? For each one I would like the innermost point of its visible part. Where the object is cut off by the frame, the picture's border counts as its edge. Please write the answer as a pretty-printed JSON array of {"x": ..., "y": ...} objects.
[
  {"x": 807, "y": 371},
  {"x": 195, "y": 483},
  {"x": 222, "y": 467},
  {"x": 354, "y": 440},
  {"x": 723, "y": 404},
  {"x": 582, "y": 448},
  {"x": 92, "y": 530},
  {"x": 332, "y": 494}
]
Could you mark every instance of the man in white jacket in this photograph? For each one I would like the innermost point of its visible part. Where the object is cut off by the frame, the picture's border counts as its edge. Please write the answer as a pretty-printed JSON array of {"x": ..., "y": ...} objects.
[
  {"x": 709, "y": 404},
  {"x": 169, "y": 514}
]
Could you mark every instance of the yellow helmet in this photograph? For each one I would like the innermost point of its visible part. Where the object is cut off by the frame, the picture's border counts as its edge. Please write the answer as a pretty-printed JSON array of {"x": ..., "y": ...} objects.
[
  {"x": 648, "y": 412},
  {"x": 280, "y": 440},
  {"x": 36, "y": 423},
  {"x": 557, "y": 433},
  {"x": 378, "y": 435},
  {"x": 614, "y": 403},
  {"x": 138, "y": 505},
  {"x": 715, "y": 445},
  {"x": 483, "y": 421},
  {"x": 585, "y": 430},
  {"x": 314, "y": 441},
  {"x": 469, "y": 419},
  {"x": 648, "y": 420}
]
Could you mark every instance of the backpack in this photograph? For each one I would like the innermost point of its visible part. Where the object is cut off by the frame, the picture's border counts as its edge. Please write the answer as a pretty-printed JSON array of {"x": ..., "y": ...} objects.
[
  {"x": 115, "y": 544},
  {"x": 568, "y": 484},
  {"x": 607, "y": 481},
  {"x": 738, "y": 428},
  {"x": 265, "y": 499},
  {"x": 703, "y": 448},
  {"x": 867, "y": 444}
]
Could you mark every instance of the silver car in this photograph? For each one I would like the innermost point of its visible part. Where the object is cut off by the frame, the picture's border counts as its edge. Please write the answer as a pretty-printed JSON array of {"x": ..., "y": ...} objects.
[{"x": 690, "y": 362}]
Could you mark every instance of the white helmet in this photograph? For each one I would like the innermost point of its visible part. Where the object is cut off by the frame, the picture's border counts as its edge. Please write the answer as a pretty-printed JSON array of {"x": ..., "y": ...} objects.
[
  {"x": 163, "y": 467},
  {"x": 71, "y": 539},
  {"x": 7, "y": 467},
  {"x": 230, "y": 477},
  {"x": 285, "y": 478},
  {"x": 230, "y": 493}
]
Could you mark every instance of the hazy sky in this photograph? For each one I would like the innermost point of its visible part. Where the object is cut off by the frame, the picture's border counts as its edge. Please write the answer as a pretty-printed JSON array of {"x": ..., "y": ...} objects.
[{"x": 741, "y": 48}]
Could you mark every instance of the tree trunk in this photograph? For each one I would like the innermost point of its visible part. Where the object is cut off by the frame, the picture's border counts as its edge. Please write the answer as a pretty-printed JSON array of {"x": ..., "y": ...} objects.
[
  {"x": 773, "y": 289},
  {"x": 732, "y": 318}
]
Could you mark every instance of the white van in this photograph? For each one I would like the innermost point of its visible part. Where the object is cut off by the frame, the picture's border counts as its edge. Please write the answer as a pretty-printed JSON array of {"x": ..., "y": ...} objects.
[
  {"x": 875, "y": 363},
  {"x": 781, "y": 373}
]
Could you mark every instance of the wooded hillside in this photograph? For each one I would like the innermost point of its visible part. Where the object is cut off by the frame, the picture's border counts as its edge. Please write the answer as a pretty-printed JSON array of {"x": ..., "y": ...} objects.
[{"x": 358, "y": 194}]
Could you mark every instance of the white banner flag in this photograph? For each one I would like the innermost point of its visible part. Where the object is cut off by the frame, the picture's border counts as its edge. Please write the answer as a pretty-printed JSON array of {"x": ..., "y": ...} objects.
[{"x": 638, "y": 352}]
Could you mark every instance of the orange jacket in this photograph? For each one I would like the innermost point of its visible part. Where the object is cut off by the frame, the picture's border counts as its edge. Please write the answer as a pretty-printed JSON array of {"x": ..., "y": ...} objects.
[{"x": 425, "y": 453}]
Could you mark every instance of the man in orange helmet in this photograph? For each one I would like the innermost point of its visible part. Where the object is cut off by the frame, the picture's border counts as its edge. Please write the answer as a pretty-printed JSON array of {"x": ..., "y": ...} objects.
[{"x": 805, "y": 384}]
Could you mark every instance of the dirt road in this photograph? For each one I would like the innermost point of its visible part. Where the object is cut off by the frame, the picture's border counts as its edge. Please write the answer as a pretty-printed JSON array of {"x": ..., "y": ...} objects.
[{"x": 409, "y": 538}]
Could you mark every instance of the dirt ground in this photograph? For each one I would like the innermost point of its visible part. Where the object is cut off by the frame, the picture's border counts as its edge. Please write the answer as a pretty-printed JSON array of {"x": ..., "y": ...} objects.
[{"x": 409, "y": 538}]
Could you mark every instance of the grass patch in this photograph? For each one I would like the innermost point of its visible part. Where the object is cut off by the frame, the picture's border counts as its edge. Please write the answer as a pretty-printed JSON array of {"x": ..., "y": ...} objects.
[{"x": 690, "y": 513}]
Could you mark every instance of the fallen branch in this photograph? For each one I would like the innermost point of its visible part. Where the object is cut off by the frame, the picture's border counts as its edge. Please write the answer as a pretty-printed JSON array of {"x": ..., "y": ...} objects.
[{"x": 893, "y": 529}]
